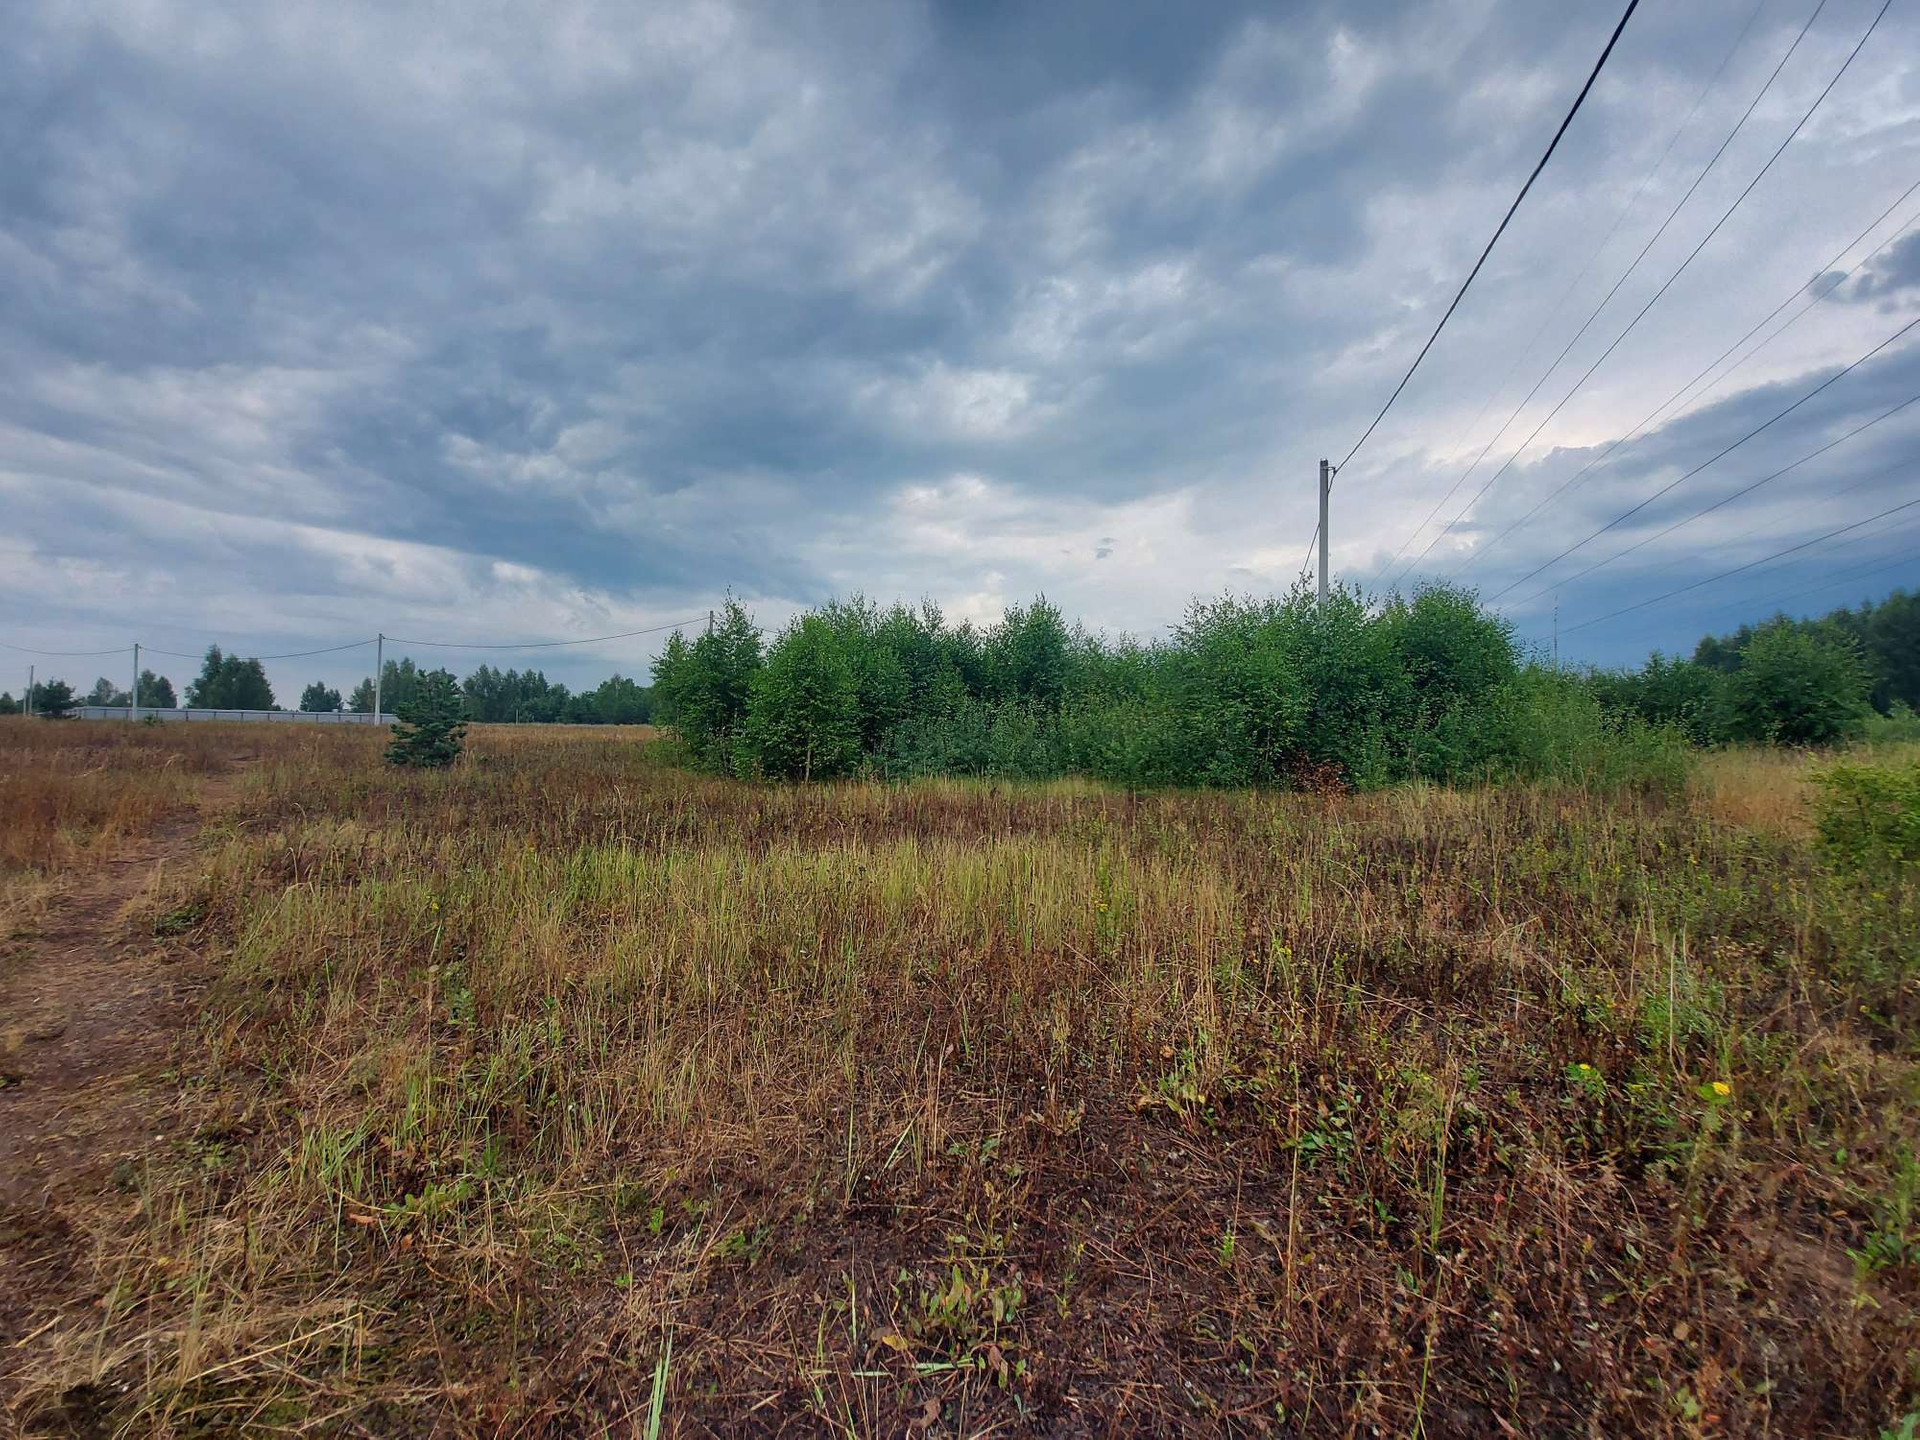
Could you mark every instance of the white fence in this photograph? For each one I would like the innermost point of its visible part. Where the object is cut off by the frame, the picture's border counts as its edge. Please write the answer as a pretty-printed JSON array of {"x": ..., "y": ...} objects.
[{"x": 310, "y": 717}]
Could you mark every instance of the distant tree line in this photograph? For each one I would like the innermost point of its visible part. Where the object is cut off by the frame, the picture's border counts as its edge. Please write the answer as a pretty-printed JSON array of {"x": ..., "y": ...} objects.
[
  {"x": 57, "y": 698},
  {"x": 513, "y": 697},
  {"x": 1785, "y": 681},
  {"x": 229, "y": 682}
]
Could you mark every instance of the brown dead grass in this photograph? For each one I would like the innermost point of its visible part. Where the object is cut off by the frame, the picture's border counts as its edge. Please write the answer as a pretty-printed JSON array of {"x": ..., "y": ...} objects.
[
  {"x": 537, "y": 1093},
  {"x": 1764, "y": 790}
]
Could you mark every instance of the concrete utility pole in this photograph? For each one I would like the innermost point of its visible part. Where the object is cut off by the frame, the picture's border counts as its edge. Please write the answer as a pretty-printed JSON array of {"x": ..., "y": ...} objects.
[
  {"x": 1326, "y": 483},
  {"x": 133, "y": 695},
  {"x": 379, "y": 657},
  {"x": 1556, "y": 632},
  {"x": 709, "y": 622},
  {"x": 29, "y": 705}
]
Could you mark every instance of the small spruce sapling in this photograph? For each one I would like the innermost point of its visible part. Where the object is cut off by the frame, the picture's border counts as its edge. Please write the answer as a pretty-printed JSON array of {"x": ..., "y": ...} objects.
[{"x": 431, "y": 729}]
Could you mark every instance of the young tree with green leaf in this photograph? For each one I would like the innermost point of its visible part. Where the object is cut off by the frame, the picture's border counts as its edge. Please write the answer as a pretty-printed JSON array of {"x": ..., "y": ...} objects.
[
  {"x": 1797, "y": 686},
  {"x": 803, "y": 710},
  {"x": 156, "y": 692},
  {"x": 226, "y": 682},
  {"x": 53, "y": 700},
  {"x": 701, "y": 689},
  {"x": 319, "y": 698}
]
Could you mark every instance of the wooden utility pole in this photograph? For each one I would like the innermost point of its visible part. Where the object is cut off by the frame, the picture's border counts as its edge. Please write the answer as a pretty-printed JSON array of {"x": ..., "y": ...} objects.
[{"x": 1326, "y": 483}]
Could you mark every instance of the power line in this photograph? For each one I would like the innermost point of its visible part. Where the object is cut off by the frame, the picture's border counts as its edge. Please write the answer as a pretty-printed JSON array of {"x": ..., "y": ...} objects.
[
  {"x": 1627, "y": 274},
  {"x": 285, "y": 655},
  {"x": 1552, "y": 145},
  {"x": 1845, "y": 577},
  {"x": 1739, "y": 569},
  {"x": 361, "y": 644},
  {"x": 1684, "y": 264},
  {"x": 66, "y": 654},
  {"x": 1724, "y": 500},
  {"x": 546, "y": 644},
  {"x": 1798, "y": 292},
  {"x": 1775, "y": 419},
  {"x": 1862, "y": 482}
]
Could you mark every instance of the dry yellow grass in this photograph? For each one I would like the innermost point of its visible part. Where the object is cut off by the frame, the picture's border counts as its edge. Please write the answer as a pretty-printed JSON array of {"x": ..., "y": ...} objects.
[{"x": 533, "y": 1090}]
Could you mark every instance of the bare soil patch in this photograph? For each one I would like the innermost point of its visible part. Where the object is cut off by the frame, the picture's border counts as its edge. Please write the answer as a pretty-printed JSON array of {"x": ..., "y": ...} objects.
[{"x": 95, "y": 1002}]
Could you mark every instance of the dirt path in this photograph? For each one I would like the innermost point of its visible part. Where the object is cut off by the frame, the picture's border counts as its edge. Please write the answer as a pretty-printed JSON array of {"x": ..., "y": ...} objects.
[{"x": 89, "y": 1016}]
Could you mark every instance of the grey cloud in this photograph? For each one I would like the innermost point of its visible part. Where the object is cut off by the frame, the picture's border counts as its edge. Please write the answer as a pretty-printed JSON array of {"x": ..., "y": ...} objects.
[
  {"x": 648, "y": 303},
  {"x": 1895, "y": 272}
]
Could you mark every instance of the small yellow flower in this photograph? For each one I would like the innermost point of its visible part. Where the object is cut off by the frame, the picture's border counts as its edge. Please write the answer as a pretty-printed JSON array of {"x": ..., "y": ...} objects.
[{"x": 1721, "y": 1088}]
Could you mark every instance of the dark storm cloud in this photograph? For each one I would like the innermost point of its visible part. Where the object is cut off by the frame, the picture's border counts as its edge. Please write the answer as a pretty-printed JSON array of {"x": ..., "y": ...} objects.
[{"x": 548, "y": 321}]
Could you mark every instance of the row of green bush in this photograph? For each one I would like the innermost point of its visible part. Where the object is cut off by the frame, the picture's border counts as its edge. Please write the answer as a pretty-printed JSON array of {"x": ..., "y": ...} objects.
[
  {"x": 1787, "y": 683},
  {"x": 1285, "y": 691}
]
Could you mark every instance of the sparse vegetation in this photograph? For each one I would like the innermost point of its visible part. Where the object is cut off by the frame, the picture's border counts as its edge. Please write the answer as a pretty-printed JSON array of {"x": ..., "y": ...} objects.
[{"x": 568, "y": 1090}]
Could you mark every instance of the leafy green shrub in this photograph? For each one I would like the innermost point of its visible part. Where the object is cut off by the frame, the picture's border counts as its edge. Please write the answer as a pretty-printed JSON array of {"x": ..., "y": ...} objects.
[
  {"x": 1238, "y": 692},
  {"x": 1899, "y": 726},
  {"x": 1692, "y": 697},
  {"x": 1023, "y": 744},
  {"x": 1134, "y": 743},
  {"x": 1869, "y": 815},
  {"x": 702, "y": 689},
  {"x": 1028, "y": 655},
  {"x": 803, "y": 707},
  {"x": 431, "y": 727},
  {"x": 1798, "y": 687},
  {"x": 1279, "y": 691},
  {"x": 1548, "y": 725},
  {"x": 1454, "y": 653}
]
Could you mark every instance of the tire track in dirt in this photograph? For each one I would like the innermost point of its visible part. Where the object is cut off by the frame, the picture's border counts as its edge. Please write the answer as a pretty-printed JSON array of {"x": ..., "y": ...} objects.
[{"x": 91, "y": 1009}]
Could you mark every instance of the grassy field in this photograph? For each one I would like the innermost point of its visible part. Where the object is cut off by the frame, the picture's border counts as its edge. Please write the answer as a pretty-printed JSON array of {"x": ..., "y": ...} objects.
[{"x": 565, "y": 1091}]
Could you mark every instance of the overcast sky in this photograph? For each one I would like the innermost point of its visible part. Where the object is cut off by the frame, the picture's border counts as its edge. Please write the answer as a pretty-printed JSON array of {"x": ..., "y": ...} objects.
[{"x": 487, "y": 322}]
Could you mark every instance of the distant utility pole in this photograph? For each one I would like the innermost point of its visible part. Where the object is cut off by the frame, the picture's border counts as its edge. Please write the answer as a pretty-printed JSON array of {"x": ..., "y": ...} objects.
[
  {"x": 133, "y": 695},
  {"x": 1556, "y": 632},
  {"x": 1326, "y": 483},
  {"x": 379, "y": 658},
  {"x": 29, "y": 705},
  {"x": 709, "y": 622}
]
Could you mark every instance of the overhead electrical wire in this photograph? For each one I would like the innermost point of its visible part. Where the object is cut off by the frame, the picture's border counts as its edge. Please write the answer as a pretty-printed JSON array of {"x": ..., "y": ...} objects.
[
  {"x": 1799, "y": 292},
  {"x": 1845, "y": 577},
  {"x": 1738, "y": 569},
  {"x": 360, "y": 645},
  {"x": 1587, "y": 324},
  {"x": 1722, "y": 502},
  {"x": 1499, "y": 230},
  {"x": 547, "y": 644},
  {"x": 1879, "y": 567},
  {"x": 1668, "y": 284},
  {"x": 65, "y": 654},
  {"x": 1717, "y": 455},
  {"x": 285, "y": 655}
]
